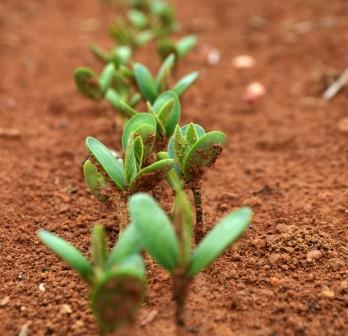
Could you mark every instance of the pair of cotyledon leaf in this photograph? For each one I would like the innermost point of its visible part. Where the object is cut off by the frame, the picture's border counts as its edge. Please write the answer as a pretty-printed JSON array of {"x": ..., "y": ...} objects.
[
  {"x": 117, "y": 279},
  {"x": 193, "y": 149}
]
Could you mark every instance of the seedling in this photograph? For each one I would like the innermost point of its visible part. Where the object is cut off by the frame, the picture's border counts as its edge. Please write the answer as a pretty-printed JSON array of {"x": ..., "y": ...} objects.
[
  {"x": 169, "y": 242},
  {"x": 151, "y": 87},
  {"x": 194, "y": 151},
  {"x": 116, "y": 280},
  {"x": 118, "y": 55},
  {"x": 180, "y": 49},
  {"x": 136, "y": 173}
]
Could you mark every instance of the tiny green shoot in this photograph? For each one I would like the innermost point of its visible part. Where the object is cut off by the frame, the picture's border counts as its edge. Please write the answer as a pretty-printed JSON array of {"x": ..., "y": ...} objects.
[
  {"x": 116, "y": 279},
  {"x": 194, "y": 151},
  {"x": 169, "y": 241}
]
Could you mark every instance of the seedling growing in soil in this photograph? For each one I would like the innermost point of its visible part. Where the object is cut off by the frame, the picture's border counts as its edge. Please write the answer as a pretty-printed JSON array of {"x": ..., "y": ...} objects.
[
  {"x": 194, "y": 151},
  {"x": 180, "y": 49},
  {"x": 169, "y": 242},
  {"x": 151, "y": 87},
  {"x": 118, "y": 55},
  {"x": 91, "y": 85},
  {"x": 116, "y": 280},
  {"x": 138, "y": 172}
]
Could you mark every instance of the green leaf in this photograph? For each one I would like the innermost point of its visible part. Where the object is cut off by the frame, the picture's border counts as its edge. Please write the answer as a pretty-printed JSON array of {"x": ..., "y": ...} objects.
[
  {"x": 87, "y": 83},
  {"x": 123, "y": 54},
  {"x": 204, "y": 153},
  {"x": 112, "y": 166},
  {"x": 68, "y": 253},
  {"x": 128, "y": 243},
  {"x": 107, "y": 76},
  {"x": 223, "y": 235},
  {"x": 143, "y": 124},
  {"x": 144, "y": 37},
  {"x": 99, "y": 246},
  {"x": 174, "y": 117},
  {"x": 138, "y": 152},
  {"x": 155, "y": 229},
  {"x": 146, "y": 83},
  {"x": 182, "y": 219},
  {"x": 181, "y": 148},
  {"x": 200, "y": 132},
  {"x": 116, "y": 298},
  {"x": 137, "y": 18},
  {"x": 184, "y": 83},
  {"x": 185, "y": 45},
  {"x": 165, "y": 47},
  {"x": 94, "y": 180},
  {"x": 130, "y": 163},
  {"x": 164, "y": 72},
  {"x": 149, "y": 176},
  {"x": 191, "y": 135},
  {"x": 99, "y": 52}
]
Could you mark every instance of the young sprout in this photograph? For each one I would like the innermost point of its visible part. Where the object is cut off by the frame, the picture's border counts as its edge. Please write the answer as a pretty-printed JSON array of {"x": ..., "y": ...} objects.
[
  {"x": 151, "y": 87},
  {"x": 138, "y": 172},
  {"x": 91, "y": 85},
  {"x": 169, "y": 241},
  {"x": 180, "y": 48},
  {"x": 116, "y": 280},
  {"x": 194, "y": 151},
  {"x": 119, "y": 56}
]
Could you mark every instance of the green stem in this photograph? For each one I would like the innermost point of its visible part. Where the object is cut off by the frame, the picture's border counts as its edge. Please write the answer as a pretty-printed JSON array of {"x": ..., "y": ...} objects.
[
  {"x": 197, "y": 196},
  {"x": 180, "y": 290}
]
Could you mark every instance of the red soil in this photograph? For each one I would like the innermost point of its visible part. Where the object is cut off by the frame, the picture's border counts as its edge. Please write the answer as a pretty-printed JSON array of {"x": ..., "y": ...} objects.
[{"x": 285, "y": 157}]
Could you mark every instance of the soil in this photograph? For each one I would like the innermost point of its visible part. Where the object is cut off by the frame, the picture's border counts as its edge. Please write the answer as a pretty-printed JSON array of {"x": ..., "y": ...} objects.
[{"x": 286, "y": 157}]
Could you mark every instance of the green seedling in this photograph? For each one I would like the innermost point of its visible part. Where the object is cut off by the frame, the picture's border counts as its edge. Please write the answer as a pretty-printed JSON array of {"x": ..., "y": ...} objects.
[
  {"x": 138, "y": 172},
  {"x": 169, "y": 241},
  {"x": 91, "y": 85},
  {"x": 194, "y": 151},
  {"x": 151, "y": 87},
  {"x": 180, "y": 48},
  {"x": 119, "y": 56},
  {"x": 116, "y": 279}
]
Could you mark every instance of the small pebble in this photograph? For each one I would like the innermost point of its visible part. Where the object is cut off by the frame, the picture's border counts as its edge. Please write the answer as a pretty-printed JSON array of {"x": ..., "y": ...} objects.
[
  {"x": 344, "y": 285},
  {"x": 213, "y": 57},
  {"x": 259, "y": 243},
  {"x": 253, "y": 92},
  {"x": 336, "y": 263},
  {"x": 65, "y": 309},
  {"x": 4, "y": 301},
  {"x": 314, "y": 255},
  {"x": 42, "y": 287},
  {"x": 274, "y": 281},
  {"x": 243, "y": 62},
  {"x": 274, "y": 258},
  {"x": 343, "y": 125},
  {"x": 327, "y": 293}
]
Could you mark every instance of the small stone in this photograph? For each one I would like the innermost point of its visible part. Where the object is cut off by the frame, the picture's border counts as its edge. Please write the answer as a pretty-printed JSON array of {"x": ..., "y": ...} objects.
[
  {"x": 266, "y": 292},
  {"x": 274, "y": 281},
  {"x": 283, "y": 228},
  {"x": 78, "y": 325},
  {"x": 327, "y": 293},
  {"x": 24, "y": 329},
  {"x": 274, "y": 258},
  {"x": 42, "y": 287},
  {"x": 253, "y": 92},
  {"x": 4, "y": 301},
  {"x": 243, "y": 62},
  {"x": 223, "y": 207},
  {"x": 259, "y": 243},
  {"x": 65, "y": 309},
  {"x": 343, "y": 125},
  {"x": 336, "y": 263},
  {"x": 253, "y": 201},
  {"x": 344, "y": 285},
  {"x": 213, "y": 57},
  {"x": 314, "y": 255},
  {"x": 150, "y": 317}
]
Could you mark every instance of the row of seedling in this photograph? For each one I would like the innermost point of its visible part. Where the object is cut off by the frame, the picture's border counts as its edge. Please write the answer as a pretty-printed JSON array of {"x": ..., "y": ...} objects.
[{"x": 155, "y": 150}]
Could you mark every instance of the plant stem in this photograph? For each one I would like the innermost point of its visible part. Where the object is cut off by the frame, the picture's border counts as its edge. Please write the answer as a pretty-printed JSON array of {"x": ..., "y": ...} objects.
[
  {"x": 197, "y": 196},
  {"x": 180, "y": 291},
  {"x": 122, "y": 211}
]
